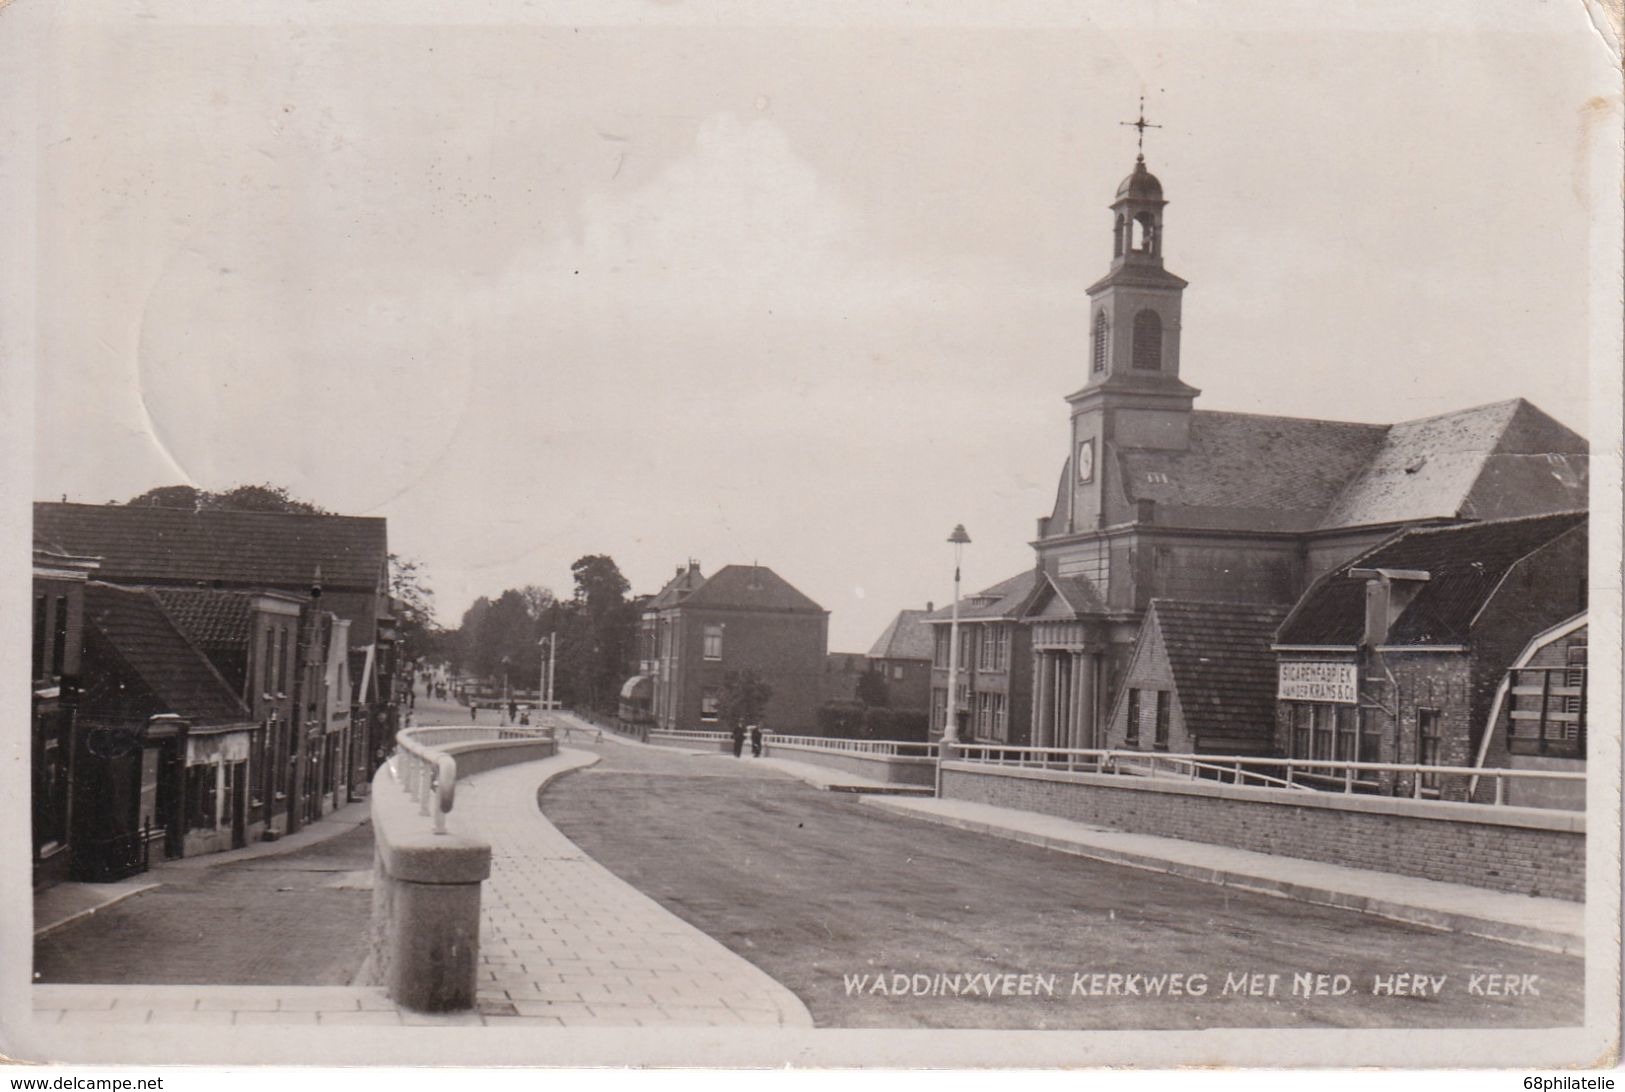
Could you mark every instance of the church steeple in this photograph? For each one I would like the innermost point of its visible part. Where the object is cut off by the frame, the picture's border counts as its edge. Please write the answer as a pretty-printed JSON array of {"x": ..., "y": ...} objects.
[{"x": 1132, "y": 397}]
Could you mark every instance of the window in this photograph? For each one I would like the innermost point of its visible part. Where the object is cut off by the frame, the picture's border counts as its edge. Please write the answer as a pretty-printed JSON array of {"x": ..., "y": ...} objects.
[
  {"x": 995, "y": 646},
  {"x": 1118, "y": 236},
  {"x": 282, "y": 657},
  {"x": 202, "y": 794},
  {"x": 713, "y": 642},
  {"x": 708, "y": 703},
  {"x": 984, "y": 715},
  {"x": 1348, "y": 734},
  {"x": 1324, "y": 732},
  {"x": 939, "y": 708},
  {"x": 1001, "y": 728},
  {"x": 59, "y": 638},
  {"x": 940, "y": 650},
  {"x": 39, "y": 637},
  {"x": 1427, "y": 745},
  {"x": 1147, "y": 233},
  {"x": 1165, "y": 702},
  {"x": 1302, "y": 713},
  {"x": 1132, "y": 734},
  {"x": 1148, "y": 340},
  {"x": 1102, "y": 332},
  {"x": 897, "y": 671}
]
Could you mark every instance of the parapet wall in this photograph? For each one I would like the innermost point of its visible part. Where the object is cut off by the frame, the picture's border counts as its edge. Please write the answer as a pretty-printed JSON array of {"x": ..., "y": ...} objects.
[{"x": 1524, "y": 850}]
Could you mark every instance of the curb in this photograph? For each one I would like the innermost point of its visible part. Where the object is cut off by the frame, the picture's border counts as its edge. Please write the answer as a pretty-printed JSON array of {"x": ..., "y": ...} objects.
[
  {"x": 1549, "y": 940},
  {"x": 79, "y": 915}
]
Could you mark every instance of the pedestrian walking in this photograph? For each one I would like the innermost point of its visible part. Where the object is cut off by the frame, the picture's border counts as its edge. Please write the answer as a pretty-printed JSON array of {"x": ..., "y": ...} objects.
[
  {"x": 473, "y": 712},
  {"x": 513, "y": 711},
  {"x": 739, "y": 739},
  {"x": 756, "y": 741}
]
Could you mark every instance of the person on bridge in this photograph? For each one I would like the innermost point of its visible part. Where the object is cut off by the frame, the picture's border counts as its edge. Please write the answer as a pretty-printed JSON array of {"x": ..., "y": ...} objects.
[
  {"x": 756, "y": 741},
  {"x": 473, "y": 712},
  {"x": 739, "y": 739}
]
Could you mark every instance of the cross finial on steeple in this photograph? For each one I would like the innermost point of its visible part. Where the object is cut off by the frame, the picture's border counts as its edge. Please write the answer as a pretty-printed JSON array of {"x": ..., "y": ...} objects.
[{"x": 1142, "y": 125}]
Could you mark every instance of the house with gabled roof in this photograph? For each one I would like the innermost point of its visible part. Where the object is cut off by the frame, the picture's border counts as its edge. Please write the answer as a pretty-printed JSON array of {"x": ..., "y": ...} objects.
[
  {"x": 1397, "y": 655},
  {"x": 305, "y": 572},
  {"x": 1201, "y": 680},
  {"x": 697, "y": 630},
  {"x": 1159, "y": 500},
  {"x": 902, "y": 656},
  {"x": 163, "y": 744}
]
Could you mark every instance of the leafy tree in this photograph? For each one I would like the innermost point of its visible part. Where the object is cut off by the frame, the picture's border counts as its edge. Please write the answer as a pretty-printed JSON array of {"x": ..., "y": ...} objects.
[
  {"x": 243, "y": 498},
  {"x": 871, "y": 689},
  {"x": 414, "y": 607},
  {"x": 743, "y": 698},
  {"x": 598, "y": 632}
]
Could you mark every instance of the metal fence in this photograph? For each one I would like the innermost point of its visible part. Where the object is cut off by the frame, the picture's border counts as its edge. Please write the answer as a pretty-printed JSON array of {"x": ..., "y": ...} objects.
[{"x": 1300, "y": 774}]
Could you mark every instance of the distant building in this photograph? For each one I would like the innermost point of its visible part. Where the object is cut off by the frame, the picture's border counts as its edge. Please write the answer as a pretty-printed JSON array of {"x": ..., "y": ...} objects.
[
  {"x": 1201, "y": 681},
  {"x": 902, "y": 657},
  {"x": 995, "y": 662},
  {"x": 698, "y": 630},
  {"x": 308, "y": 580},
  {"x": 842, "y": 673},
  {"x": 1398, "y": 655},
  {"x": 1159, "y": 500}
]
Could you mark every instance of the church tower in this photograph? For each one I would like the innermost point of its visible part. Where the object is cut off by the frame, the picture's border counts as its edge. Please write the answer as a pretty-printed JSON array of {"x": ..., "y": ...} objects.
[{"x": 1132, "y": 396}]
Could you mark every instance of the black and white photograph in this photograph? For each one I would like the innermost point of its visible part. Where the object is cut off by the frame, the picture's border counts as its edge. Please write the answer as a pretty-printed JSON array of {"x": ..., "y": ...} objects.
[{"x": 886, "y": 535}]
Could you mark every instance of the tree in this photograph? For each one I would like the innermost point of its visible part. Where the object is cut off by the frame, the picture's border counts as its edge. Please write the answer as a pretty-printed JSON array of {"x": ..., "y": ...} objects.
[
  {"x": 242, "y": 498},
  {"x": 743, "y": 698},
  {"x": 871, "y": 689},
  {"x": 414, "y": 607},
  {"x": 598, "y": 632}
]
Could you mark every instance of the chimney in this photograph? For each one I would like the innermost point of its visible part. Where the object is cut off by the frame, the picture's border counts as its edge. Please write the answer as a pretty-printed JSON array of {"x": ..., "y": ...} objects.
[
  {"x": 929, "y": 606},
  {"x": 1387, "y": 593}
]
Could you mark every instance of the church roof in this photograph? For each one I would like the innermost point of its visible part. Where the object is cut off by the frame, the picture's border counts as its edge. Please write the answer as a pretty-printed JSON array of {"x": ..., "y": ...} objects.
[
  {"x": 1465, "y": 564},
  {"x": 1140, "y": 185},
  {"x": 1292, "y": 474},
  {"x": 908, "y": 637},
  {"x": 1222, "y": 666}
]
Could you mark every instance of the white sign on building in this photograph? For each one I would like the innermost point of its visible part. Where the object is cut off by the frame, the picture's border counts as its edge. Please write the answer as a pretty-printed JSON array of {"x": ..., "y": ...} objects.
[{"x": 1302, "y": 680}]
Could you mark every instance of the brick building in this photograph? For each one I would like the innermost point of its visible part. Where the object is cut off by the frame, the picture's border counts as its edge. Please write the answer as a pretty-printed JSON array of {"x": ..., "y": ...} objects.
[
  {"x": 1397, "y": 656},
  {"x": 698, "y": 630},
  {"x": 1201, "y": 681},
  {"x": 1160, "y": 500},
  {"x": 269, "y": 597},
  {"x": 995, "y": 664},
  {"x": 902, "y": 656}
]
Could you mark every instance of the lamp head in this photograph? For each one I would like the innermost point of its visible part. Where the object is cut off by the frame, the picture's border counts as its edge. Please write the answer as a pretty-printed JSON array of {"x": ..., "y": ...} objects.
[{"x": 959, "y": 537}]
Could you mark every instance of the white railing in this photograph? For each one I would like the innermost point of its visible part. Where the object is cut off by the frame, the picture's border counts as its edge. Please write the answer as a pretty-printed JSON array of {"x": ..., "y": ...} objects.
[
  {"x": 428, "y": 772},
  {"x": 1288, "y": 773},
  {"x": 879, "y": 748},
  {"x": 684, "y": 735}
]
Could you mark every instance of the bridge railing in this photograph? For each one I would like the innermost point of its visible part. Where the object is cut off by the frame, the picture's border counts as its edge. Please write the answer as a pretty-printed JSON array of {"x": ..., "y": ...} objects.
[
  {"x": 1303, "y": 774},
  {"x": 427, "y": 770},
  {"x": 878, "y": 748},
  {"x": 688, "y": 736}
]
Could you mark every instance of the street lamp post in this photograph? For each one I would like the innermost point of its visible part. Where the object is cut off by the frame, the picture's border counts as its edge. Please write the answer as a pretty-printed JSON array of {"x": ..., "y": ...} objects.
[
  {"x": 544, "y": 685},
  {"x": 950, "y": 730}
]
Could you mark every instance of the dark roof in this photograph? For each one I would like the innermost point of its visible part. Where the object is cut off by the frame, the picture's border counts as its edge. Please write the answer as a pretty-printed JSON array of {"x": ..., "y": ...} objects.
[
  {"x": 907, "y": 638},
  {"x": 156, "y": 657},
  {"x": 1222, "y": 664},
  {"x": 750, "y": 587},
  {"x": 678, "y": 588},
  {"x": 237, "y": 549},
  {"x": 1297, "y": 474},
  {"x": 1464, "y": 564},
  {"x": 1002, "y": 600},
  {"x": 210, "y": 619}
]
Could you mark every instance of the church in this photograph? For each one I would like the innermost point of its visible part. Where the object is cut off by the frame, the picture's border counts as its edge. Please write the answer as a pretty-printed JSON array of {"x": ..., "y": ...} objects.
[{"x": 1160, "y": 500}]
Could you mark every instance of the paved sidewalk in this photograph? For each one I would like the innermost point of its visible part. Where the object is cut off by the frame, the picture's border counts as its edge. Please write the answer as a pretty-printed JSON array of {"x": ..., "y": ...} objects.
[
  {"x": 1550, "y": 924},
  {"x": 565, "y": 942}
]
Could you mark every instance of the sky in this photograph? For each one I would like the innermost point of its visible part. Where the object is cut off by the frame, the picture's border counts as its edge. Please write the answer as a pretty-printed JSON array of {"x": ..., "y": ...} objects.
[{"x": 671, "y": 281}]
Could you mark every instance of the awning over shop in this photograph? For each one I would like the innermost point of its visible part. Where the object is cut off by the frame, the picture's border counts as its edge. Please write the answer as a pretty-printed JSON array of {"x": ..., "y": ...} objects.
[{"x": 638, "y": 688}]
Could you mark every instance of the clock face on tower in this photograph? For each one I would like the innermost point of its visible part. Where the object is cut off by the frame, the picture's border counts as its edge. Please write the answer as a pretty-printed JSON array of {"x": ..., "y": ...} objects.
[{"x": 1086, "y": 461}]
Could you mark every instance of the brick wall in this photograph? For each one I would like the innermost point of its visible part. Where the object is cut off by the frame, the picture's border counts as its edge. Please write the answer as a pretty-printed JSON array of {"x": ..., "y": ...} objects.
[
  {"x": 1533, "y": 854},
  {"x": 893, "y": 770}
]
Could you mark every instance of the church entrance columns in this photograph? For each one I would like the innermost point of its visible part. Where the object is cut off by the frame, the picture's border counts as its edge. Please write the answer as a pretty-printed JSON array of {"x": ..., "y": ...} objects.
[{"x": 1065, "y": 682}]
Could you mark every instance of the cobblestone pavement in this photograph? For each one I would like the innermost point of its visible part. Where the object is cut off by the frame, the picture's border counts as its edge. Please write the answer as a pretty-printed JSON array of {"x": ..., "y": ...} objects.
[
  {"x": 819, "y": 890},
  {"x": 563, "y": 941},
  {"x": 297, "y": 918}
]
